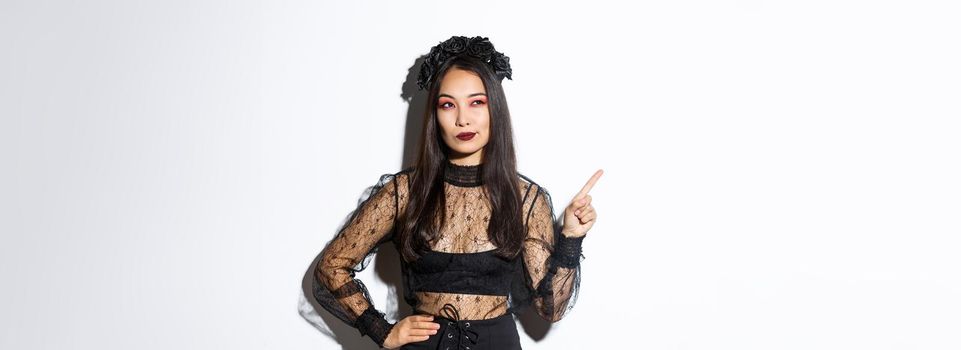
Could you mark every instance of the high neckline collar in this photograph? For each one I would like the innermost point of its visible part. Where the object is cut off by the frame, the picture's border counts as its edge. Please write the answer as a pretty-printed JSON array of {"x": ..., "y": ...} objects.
[{"x": 463, "y": 175}]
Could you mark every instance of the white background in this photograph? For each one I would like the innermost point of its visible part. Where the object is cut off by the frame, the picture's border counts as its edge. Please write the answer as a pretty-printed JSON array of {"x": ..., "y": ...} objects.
[{"x": 779, "y": 175}]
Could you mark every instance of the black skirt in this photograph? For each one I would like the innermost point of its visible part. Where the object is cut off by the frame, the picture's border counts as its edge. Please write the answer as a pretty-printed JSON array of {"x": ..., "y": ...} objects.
[{"x": 498, "y": 333}]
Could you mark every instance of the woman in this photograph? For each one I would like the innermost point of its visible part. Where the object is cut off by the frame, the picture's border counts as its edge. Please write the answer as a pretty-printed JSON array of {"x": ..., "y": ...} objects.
[{"x": 477, "y": 239}]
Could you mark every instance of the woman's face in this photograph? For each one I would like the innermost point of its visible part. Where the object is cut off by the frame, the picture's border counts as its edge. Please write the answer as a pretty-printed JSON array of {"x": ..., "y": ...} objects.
[{"x": 463, "y": 116}]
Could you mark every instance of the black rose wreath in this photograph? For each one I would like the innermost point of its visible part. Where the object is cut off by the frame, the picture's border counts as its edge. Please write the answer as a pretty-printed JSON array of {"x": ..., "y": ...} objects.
[{"x": 478, "y": 47}]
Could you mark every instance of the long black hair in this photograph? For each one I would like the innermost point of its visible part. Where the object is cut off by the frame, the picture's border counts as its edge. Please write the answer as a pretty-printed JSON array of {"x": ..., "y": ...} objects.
[{"x": 427, "y": 200}]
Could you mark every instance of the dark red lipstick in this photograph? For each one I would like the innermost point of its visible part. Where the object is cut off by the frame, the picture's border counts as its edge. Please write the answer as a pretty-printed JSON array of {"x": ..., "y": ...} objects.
[{"x": 466, "y": 136}]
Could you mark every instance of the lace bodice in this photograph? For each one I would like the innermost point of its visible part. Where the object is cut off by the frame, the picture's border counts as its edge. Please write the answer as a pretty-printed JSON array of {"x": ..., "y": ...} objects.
[{"x": 549, "y": 264}]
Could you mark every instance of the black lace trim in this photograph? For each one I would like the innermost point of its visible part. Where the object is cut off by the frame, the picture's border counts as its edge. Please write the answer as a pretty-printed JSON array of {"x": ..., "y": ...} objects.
[
  {"x": 567, "y": 251},
  {"x": 463, "y": 175},
  {"x": 373, "y": 324}
]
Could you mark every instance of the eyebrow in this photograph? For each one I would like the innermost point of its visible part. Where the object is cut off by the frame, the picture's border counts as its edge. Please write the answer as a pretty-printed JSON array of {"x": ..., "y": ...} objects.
[{"x": 468, "y": 96}]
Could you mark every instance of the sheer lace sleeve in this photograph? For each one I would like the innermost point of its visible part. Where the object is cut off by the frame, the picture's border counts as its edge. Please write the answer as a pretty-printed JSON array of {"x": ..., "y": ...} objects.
[
  {"x": 551, "y": 260},
  {"x": 335, "y": 287}
]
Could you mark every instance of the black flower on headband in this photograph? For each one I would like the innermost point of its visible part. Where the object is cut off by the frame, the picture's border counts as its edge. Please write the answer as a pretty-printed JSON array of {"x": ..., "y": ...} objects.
[{"x": 478, "y": 47}]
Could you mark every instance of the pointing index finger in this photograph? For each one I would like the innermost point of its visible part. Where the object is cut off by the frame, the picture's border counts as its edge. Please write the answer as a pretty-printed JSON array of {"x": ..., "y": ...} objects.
[{"x": 590, "y": 183}]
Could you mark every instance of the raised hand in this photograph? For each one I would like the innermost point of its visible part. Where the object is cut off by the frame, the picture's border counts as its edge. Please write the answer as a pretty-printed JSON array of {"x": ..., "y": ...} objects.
[{"x": 579, "y": 216}]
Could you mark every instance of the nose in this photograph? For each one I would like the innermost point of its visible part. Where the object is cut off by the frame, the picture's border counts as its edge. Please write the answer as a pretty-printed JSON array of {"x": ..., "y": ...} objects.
[{"x": 461, "y": 120}]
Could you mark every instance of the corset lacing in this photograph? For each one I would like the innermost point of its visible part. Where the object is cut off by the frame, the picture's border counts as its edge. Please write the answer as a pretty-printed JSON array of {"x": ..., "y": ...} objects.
[{"x": 465, "y": 337}]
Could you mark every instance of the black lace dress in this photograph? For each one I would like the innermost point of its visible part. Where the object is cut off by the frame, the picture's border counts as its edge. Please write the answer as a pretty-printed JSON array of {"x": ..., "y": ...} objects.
[{"x": 458, "y": 278}]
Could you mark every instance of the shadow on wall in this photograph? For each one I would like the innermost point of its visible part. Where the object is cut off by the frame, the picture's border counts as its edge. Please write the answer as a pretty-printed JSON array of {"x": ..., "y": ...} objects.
[{"x": 386, "y": 260}]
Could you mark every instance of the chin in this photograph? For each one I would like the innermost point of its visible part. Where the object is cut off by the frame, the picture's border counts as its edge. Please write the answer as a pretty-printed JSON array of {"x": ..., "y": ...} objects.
[{"x": 466, "y": 151}]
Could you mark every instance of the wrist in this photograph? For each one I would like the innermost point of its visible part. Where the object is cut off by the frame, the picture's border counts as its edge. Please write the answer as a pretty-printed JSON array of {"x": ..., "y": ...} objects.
[
  {"x": 567, "y": 251},
  {"x": 390, "y": 330},
  {"x": 373, "y": 324},
  {"x": 569, "y": 234}
]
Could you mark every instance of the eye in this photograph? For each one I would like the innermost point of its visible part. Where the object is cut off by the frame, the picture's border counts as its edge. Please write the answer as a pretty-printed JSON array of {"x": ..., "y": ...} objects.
[
  {"x": 481, "y": 102},
  {"x": 444, "y": 105}
]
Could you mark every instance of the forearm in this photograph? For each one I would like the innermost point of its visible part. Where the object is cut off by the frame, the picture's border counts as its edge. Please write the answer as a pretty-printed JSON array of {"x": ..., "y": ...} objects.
[
  {"x": 559, "y": 284},
  {"x": 347, "y": 298}
]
